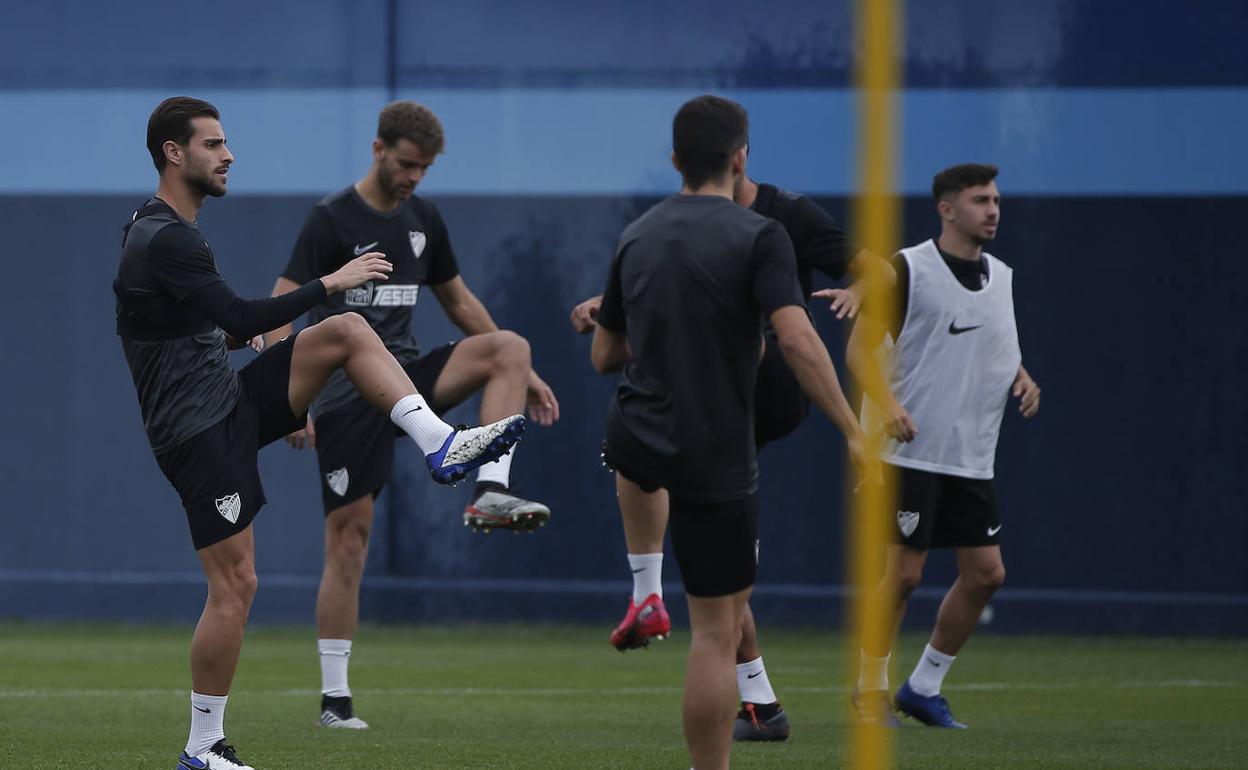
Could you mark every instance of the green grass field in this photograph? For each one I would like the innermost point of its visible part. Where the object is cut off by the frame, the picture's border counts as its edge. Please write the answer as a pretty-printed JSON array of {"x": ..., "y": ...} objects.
[{"x": 87, "y": 696}]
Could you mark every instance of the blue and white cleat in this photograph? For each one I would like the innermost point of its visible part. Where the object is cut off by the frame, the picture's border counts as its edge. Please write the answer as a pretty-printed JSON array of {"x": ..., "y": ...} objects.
[
  {"x": 469, "y": 448},
  {"x": 220, "y": 757},
  {"x": 931, "y": 710}
]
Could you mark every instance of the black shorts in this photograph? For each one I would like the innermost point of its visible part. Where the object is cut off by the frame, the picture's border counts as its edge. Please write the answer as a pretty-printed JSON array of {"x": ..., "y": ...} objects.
[
  {"x": 780, "y": 406},
  {"x": 936, "y": 510},
  {"x": 215, "y": 471},
  {"x": 715, "y": 543},
  {"x": 355, "y": 442}
]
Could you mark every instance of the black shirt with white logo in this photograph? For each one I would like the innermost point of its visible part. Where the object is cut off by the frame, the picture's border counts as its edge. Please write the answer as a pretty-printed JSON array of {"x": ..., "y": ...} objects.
[
  {"x": 172, "y": 305},
  {"x": 690, "y": 285},
  {"x": 414, "y": 239}
]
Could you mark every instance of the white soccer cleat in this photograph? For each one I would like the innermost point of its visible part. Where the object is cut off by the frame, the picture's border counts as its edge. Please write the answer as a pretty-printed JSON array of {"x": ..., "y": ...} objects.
[
  {"x": 220, "y": 756},
  {"x": 503, "y": 510},
  {"x": 470, "y": 448}
]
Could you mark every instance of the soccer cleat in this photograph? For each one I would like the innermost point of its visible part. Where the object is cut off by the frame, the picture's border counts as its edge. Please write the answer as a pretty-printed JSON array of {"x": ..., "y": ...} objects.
[
  {"x": 750, "y": 725},
  {"x": 337, "y": 712},
  {"x": 874, "y": 708},
  {"x": 931, "y": 710},
  {"x": 220, "y": 757},
  {"x": 641, "y": 623},
  {"x": 503, "y": 510},
  {"x": 469, "y": 448}
]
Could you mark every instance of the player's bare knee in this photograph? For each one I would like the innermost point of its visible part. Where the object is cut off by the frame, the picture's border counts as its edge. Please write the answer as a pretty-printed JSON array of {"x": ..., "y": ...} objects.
[
  {"x": 511, "y": 351},
  {"x": 907, "y": 582},
  {"x": 988, "y": 580}
]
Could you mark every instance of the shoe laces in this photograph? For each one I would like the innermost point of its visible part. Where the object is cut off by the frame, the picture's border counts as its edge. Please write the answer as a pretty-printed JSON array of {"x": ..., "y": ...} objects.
[
  {"x": 749, "y": 709},
  {"x": 227, "y": 752}
]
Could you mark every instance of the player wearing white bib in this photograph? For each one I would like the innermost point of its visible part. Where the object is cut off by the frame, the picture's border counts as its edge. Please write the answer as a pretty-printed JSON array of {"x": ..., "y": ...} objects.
[{"x": 954, "y": 362}]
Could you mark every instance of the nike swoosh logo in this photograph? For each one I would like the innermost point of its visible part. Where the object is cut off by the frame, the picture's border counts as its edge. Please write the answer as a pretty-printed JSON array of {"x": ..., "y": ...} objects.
[
  {"x": 751, "y": 676},
  {"x": 934, "y": 663},
  {"x": 362, "y": 250},
  {"x": 197, "y": 708},
  {"x": 994, "y": 530},
  {"x": 639, "y": 569},
  {"x": 955, "y": 329},
  {"x": 409, "y": 411}
]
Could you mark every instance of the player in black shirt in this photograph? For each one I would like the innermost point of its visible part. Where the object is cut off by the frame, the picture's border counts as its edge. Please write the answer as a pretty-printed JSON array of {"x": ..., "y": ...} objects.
[
  {"x": 354, "y": 445},
  {"x": 205, "y": 422},
  {"x": 780, "y": 406},
  {"x": 690, "y": 285}
]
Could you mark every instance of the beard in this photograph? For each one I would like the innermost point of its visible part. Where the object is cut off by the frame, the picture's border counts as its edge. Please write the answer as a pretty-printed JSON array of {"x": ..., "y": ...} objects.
[
  {"x": 203, "y": 183},
  {"x": 391, "y": 188}
]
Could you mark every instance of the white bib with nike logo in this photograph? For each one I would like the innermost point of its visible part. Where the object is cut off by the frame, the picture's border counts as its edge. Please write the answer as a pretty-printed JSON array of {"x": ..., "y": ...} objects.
[{"x": 952, "y": 368}]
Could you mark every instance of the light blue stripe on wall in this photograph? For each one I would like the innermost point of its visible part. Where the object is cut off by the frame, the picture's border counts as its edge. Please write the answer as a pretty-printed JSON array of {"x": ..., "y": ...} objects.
[{"x": 578, "y": 142}]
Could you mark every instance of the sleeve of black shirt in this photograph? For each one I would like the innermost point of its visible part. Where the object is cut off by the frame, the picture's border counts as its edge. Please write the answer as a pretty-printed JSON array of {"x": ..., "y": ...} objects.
[
  {"x": 821, "y": 244},
  {"x": 442, "y": 263},
  {"x": 243, "y": 319},
  {"x": 611, "y": 312},
  {"x": 181, "y": 261},
  {"x": 775, "y": 271},
  {"x": 317, "y": 252}
]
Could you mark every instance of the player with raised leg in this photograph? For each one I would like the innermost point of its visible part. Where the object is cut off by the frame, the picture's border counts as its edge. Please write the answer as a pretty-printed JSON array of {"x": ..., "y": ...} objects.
[
  {"x": 206, "y": 422},
  {"x": 355, "y": 445}
]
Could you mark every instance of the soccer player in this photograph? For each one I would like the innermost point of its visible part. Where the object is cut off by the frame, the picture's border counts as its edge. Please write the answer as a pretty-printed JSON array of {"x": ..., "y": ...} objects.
[
  {"x": 355, "y": 444},
  {"x": 955, "y": 361},
  {"x": 779, "y": 408},
  {"x": 205, "y": 422},
  {"x": 686, "y": 295}
]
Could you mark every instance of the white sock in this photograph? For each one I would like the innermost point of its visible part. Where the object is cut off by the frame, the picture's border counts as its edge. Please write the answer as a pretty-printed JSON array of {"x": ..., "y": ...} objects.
[
  {"x": 207, "y": 722},
  {"x": 335, "y": 655},
  {"x": 417, "y": 420},
  {"x": 930, "y": 671},
  {"x": 753, "y": 684},
  {"x": 872, "y": 672},
  {"x": 499, "y": 472},
  {"x": 647, "y": 575}
]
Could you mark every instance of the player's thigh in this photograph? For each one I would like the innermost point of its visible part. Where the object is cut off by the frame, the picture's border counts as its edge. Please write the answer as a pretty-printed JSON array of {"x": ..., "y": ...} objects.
[
  {"x": 780, "y": 406},
  {"x": 468, "y": 367},
  {"x": 981, "y": 565},
  {"x": 354, "y": 453},
  {"x": 715, "y": 544},
  {"x": 230, "y": 564},
  {"x": 347, "y": 528}
]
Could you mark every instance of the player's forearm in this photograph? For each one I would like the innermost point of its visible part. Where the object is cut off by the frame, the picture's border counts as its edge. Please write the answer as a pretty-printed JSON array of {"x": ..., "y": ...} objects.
[
  {"x": 470, "y": 316},
  {"x": 609, "y": 351},
  {"x": 244, "y": 319},
  {"x": 866, "y": 371},
  {"x": 283, "y": 286},
  {"x": 816, "y": 374}
]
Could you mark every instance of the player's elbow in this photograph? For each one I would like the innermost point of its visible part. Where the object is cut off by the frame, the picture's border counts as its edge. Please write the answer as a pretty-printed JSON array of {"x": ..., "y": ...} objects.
[{"x": 605, "y": 361}]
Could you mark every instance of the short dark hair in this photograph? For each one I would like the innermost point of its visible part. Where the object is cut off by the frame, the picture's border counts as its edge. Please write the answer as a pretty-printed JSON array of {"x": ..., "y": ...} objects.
[
  {"x": 955, "y": 179},
  {"x": 171, "y": 120},
  {"x": 705, "y": 133},
  {"x": 414, "y": 122}
]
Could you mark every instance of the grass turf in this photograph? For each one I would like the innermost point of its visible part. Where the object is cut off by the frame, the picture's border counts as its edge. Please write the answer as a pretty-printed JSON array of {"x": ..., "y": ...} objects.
[{"x": 94, "y": 696}]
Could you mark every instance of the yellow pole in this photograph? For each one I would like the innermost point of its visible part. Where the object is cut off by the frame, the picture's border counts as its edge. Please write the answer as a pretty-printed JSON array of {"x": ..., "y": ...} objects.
[{"x": 875, "y": 224}]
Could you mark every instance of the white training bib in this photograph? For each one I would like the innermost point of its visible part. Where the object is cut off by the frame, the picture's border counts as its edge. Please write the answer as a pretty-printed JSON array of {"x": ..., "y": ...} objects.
[{"x": 952, "y": 367}]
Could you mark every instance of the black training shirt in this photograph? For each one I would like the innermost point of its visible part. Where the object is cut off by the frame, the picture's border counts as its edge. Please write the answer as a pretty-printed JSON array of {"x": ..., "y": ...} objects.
[
  {"x": 690, "y": 284},
  {"x": 172, "y": 304},
  {"x": 414, "y": 239},
  {"x": 818, "y": 241}
]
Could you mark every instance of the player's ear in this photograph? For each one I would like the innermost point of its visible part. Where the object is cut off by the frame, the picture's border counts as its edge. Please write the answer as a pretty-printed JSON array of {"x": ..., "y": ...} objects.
[
  {"x": 378, "y": 148},
  {"x": 675, "y": 163},
  {"x": 173, "y": 152},
  {"x": 738, "y": 160},
  {"x": 945, "y": 207}
]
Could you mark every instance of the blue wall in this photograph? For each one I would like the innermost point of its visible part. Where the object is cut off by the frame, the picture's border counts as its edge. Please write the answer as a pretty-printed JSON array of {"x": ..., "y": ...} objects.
[{"x": 1124, "y": 180}]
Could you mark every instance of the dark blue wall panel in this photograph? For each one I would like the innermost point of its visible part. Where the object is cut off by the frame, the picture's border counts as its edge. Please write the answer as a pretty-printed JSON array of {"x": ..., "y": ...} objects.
[{"x": 1130, "y": 317}]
